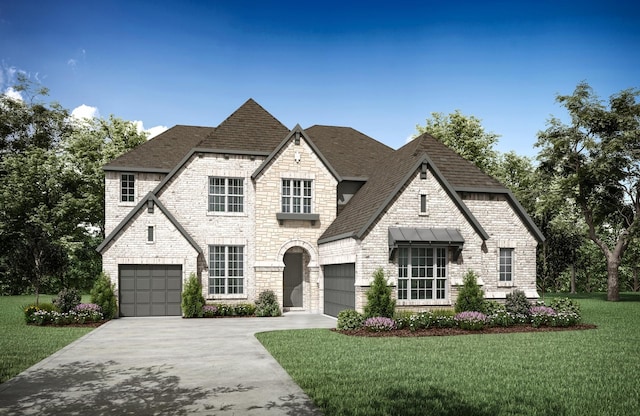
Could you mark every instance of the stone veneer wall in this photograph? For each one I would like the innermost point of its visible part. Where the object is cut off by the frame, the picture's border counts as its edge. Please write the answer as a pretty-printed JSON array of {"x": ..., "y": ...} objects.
[
  {"x": 186, "y": 196},
  {"x": 274, "y": 239},
  {"x": 131, "y": 246},
  {"x": 115, "y": 210}
]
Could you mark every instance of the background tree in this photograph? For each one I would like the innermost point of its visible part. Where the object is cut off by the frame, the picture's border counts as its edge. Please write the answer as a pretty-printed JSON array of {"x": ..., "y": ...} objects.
[
  {"x": 596, "y": 163},
  {"x": 52, "y": 191},
  {"x": 465, "y": 135}
]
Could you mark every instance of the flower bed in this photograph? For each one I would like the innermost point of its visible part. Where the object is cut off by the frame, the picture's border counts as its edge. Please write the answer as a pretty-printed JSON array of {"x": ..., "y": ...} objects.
[
  {"x": 565, "y": 314},
  {"x": 47, "y": 314}
]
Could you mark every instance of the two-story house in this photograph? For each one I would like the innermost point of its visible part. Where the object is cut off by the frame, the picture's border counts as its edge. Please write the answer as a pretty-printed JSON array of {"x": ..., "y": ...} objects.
[{"x": 251, "y": 205}]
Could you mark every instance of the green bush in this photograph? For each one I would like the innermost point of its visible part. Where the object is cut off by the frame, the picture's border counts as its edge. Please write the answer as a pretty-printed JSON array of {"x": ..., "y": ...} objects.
[
  {"x": 31, "y": 309},
  {"x": 267, "y": 304},
  {"x": 349, "y": 319},
  {"x": 379, "y": 302},
  {"x": 192, "y": 299},
  {"x": 565, "y": 305},
  {"x": 103, "y": 294},
  {"x": 470, "y": 296},
  {"x": 491, "y": 307},
  {"x": 67, "y": 299},
  {"x": 517, "y": 303}
]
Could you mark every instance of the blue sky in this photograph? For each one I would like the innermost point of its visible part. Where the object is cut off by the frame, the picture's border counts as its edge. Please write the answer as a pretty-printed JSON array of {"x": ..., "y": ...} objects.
[{"x": 379, "y": 67}]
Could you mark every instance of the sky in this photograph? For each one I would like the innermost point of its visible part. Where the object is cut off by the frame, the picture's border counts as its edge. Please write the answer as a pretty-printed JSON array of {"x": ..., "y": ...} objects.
[{"x": 379, "y": 67}]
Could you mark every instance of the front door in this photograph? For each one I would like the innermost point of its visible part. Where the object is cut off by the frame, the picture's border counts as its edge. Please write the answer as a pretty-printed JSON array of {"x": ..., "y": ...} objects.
[{"x": 292, "y": 280}]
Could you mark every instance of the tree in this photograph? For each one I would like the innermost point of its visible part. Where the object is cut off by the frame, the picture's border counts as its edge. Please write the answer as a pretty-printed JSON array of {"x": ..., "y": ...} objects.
[
  {"x": 466, "y": 136},
  {"x": 379, "y": 302},
  {"x": 596, "y": 162}
]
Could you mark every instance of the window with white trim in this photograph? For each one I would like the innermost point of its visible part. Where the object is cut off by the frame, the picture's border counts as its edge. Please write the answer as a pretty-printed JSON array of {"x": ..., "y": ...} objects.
[
  {"x": 127, "y": 187},
  {"x": 422, "y": 273},
  {"x": 226, "y": 194},
  {"x": 296, "y": 196},
  {"x": 226, "y": 270},
  {"x": 506, "y": 266}
]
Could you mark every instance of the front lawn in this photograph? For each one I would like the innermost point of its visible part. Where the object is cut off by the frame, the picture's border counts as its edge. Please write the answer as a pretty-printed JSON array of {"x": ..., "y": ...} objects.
[
  {"x": 22, "y": 345},
  {"x": 592, "y": 372}
]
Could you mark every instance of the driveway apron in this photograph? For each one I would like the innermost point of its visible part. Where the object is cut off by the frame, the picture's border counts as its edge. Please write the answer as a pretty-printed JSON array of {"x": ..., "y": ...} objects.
[{"x": 165, "y": 365}]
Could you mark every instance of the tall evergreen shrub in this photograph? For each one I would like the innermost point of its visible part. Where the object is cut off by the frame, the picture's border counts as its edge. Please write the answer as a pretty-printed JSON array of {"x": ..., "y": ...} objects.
[
  {"x": 470, "y": 296},
  {"x": 379, "y": 302},
  {"x": 192, "y": 299},
  {"x": 103, "y": 294}
]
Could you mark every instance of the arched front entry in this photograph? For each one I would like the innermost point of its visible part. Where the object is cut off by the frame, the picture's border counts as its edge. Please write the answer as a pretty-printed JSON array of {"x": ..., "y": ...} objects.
[{"x": 295, "y": 277}]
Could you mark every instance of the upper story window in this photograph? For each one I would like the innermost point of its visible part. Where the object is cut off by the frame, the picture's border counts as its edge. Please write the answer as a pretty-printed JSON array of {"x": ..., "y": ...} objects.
[
  {"x": 506, "y": 266},
  {"x": 422, "y": 273},
  {"x": 423, "y": 204},
  {"x": 226, "y": 194},
  {"x": 296, "y": 196},
  {"x": 127, "y": 187}
]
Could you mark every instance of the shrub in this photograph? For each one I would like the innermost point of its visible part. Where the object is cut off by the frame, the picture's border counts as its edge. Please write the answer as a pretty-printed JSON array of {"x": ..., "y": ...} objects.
[
  {"x": 501, "y": 318},
  {"x": 349, "y": 319},
  {"x": 192, "y": 299},
  {"x": 67, "y": 299},
  {"x": 379, "y": 324},
  {"x": 541, "y": 315},
  {"x": 103, "y": 294},
  {"x": 87, "y": 312},
  {"x": 379, "y": 302},
  {"x": 209, "y": 311},
  {"x": 30, "y": 310},
  {"x": 403, "y": 318},
  {"x": 421, "y": 320},
  {"x": 245, "y": 309},
  {"x": 565, "y": 305},
  {"x": 267, "y": 304},
  {"x": 517, "y": 303},
  {"x": 563, "y": 319},
  {"x": 491, "y": 307},
  {"x": 471, "y": 320},
  {"x": 470, "y": 296}
]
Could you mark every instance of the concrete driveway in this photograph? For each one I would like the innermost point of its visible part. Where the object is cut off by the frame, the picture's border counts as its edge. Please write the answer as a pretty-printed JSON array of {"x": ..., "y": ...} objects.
[{"x": 168, "y": 366}]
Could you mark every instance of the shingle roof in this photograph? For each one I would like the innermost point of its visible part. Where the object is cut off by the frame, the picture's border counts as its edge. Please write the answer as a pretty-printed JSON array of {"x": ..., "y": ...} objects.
[
  {"x": 351, "y": 153},
  {"x": 393, "y": 171},
  {"x": 249, "y": 128},
  {"x": 163, "y": 152}
]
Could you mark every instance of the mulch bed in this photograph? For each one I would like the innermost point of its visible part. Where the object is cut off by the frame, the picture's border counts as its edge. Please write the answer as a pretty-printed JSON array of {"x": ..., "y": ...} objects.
[{"x": 439, "y": 332}]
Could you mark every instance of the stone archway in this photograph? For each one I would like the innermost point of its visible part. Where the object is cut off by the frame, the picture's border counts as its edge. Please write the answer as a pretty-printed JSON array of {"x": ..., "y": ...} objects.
[{"x": 295, "y": 277}]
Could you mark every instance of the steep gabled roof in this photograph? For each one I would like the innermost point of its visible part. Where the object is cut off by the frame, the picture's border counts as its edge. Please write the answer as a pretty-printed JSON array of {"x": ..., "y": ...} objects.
[
  {"x": 161, "y": 153},
  {"x": 141, "y": 205},
  {"x": 249, "y": 128},
  {"x": 351, "y": 153},
  {"x": 392, "y": 173}
]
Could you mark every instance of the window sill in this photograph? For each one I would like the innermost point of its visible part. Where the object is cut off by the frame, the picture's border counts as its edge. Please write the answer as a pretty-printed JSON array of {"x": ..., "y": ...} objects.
[
  {"x": 226, "y": 297},
  {"x": 423, "y": 302},
  {"x": 226, "y": 214},
  {"x": 288, "y": 216},
  {"x": 505, "y": 284}
]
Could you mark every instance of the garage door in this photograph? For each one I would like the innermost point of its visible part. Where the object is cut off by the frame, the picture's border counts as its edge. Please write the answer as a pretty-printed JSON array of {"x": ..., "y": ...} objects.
[
  {"x": 339, "y": 289},
  {"x": 150, "y": 290}
]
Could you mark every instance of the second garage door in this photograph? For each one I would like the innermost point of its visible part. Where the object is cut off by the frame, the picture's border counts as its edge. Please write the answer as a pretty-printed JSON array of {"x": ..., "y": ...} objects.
[
  {"x": 339, "y": 288},
  {"x": 150, "y": 290}
]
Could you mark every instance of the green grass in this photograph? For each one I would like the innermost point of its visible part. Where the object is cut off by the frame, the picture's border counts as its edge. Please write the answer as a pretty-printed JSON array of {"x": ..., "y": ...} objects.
[
  {"x": 592, "y": 372},
  {"x": 22, "y": 345}
]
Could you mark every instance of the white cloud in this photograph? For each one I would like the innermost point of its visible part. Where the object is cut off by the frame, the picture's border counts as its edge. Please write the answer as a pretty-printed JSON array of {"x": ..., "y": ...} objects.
[
  {"x": 154, "y": 131},
  {"x": 11, "y": 93},
  {"x": 85, "y": 112}
]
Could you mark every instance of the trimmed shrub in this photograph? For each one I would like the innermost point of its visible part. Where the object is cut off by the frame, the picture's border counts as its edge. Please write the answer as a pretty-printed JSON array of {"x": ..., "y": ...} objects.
[
  {"x": 379, "y": 324},
  {"x": 349, "y": 319},
  {"x": 103, "y": 294},
  {"x": 471, "y": 320},
  {"x": 267, "y": 304},
  {"x": 470, "y": 296},
  {"x": 379, "y": 302},
  {"x": 221, "y": 309},
  {"x": 491, "y": 307},
  {"x": 517, "y": 303},
  {"x": 67, "y": 299},
  {"x": 192, "y": 299}
]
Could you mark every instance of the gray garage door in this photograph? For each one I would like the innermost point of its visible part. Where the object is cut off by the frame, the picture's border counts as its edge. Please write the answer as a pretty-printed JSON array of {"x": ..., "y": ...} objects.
[
  {"x": 150, "y": 290},
  {"x": 339, "y": 289}
]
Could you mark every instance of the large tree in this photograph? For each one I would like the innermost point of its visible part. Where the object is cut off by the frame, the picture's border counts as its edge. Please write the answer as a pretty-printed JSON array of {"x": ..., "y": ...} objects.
[
  {"x": 465, "y": 135},
  {"x": 52, "y": 191},
  {"x": 595, "y": 161}
]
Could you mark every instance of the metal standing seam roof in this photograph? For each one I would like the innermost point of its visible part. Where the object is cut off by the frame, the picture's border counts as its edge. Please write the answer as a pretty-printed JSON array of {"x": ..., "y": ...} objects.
[{"x": 425, "y": 235}]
